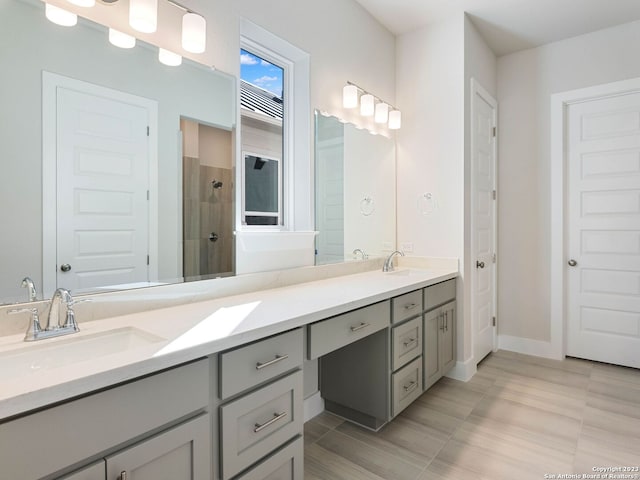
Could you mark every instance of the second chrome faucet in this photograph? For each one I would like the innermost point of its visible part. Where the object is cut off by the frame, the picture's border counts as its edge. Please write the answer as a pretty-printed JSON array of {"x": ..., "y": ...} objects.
[{"x": 388, "y": 263}]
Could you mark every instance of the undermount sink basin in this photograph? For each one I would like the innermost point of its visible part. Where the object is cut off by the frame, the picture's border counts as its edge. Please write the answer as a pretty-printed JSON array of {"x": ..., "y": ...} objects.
[
  {"x": 406, "y": 272},
  {"x": 45, "y": 355}
]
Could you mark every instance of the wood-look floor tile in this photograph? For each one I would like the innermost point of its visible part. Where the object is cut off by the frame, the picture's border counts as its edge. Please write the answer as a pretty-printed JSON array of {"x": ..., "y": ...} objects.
[
  {"x": 484, "y": 462},
  {"x": 328, "y": 420},
  {"x": 523, "y": 449},
  {"x": 568, "y": 364},
  {"x": 451, "y": 397},
  {"x": 431, "y": 419},
  {"x": 403, "y": 438},
  {"x": 604, "y": 372},
  {"x": 321, "y": 464},
  {"x": 541, "y": 426},
  {"x": 438, "y": 470},
  {"x": 313, "y": 430},
  {"x": 377, "y": 461},
  {"x": 611, "y": 427},
  {"x": 593, "y": 452}
]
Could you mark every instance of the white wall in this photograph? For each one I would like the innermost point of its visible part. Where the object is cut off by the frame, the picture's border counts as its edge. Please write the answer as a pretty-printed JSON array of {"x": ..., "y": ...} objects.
[
  {"x": 526, "y": 80},
  {"x": 430, "y": 150}
]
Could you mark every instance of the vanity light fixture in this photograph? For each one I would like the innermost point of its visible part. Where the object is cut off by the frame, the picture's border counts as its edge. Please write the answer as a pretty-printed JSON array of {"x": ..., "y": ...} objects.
[
  {"x": 395, "y": 120},
  {"x": 382, "y": 112},
  {"x": 370, "y": 105},
  {"x": 143, "y": 15},
  {"x": 120, "y": 39},
  {"x": 59, "y": 16},
  {"x": 194, "y": 32},
  {"x": 169, "y": 58},
  {"x": 83, "y": 3},
  {"x": 350, "y": 96},
  {"x": 367, "y": 102}
]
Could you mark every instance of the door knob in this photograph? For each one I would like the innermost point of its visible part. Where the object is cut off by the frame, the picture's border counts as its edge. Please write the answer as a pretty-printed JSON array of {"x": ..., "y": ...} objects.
[
  {"x": 65, "y": 267},
  {"x": 572, "y": 263},
  {"x": 479, "y": 264}
]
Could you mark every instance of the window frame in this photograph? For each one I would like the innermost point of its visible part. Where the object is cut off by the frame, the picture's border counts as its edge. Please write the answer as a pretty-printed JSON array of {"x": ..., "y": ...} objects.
[{"x": 245, "y": 212}]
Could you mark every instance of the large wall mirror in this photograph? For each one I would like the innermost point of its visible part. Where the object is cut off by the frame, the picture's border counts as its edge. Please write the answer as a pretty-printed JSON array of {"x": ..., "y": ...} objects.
[
  {"x": 112, "y": 163},
  {"x": 355, "y": 192}
]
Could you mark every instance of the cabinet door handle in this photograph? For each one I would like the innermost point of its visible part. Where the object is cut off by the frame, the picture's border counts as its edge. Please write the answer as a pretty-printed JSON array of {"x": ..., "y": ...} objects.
[
  {"x": 276, "y": 417},
  {"x": 446, "y": 321},
  {"x": 279, "y": 358},
  {"x": 410, "y": 342},
  {"x": 412, "y": 386},
  {"x": 123, "y": 475},
  {"x": 410, "y": 306},
  {"x": 359, "y": 327},
  {"x": 441, "y": 318}
]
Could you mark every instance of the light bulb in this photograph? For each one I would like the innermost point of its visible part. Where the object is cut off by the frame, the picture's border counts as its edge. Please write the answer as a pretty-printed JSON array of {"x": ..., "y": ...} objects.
[
  {"x": 366, "y": 105},
  {"x": 169, "y": 58},
  {"x": 59, "y": 16},
  {"x": 395, "y": 120},
  {"x": 382, "y": 112},
  {"x": 143, "y": 15},
  {"x": 120, "y": 39},
  {"x": 194, "y": 33},
  {"x": 350, "y": 96}
]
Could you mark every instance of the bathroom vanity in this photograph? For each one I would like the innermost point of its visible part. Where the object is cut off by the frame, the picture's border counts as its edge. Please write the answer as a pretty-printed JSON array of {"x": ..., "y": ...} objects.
[{"x": 216, "y": 391}]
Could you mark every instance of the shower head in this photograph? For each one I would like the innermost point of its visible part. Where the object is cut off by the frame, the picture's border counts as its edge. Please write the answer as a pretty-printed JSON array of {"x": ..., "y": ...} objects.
[{"x": 216, "y": 184}]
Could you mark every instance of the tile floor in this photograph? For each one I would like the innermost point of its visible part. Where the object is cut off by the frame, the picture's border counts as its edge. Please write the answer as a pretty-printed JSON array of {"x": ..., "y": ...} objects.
[{"x": 519, "y": 417}]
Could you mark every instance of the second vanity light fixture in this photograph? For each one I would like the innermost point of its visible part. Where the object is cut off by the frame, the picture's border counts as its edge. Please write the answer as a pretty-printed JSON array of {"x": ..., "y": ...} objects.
[
  {"x": 143, "y": 17},
  {"x": 380, "y": 110}
]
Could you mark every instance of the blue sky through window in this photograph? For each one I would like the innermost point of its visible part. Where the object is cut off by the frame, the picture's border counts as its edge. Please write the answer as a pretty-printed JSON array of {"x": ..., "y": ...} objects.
[{"x": 260, "y": 72}]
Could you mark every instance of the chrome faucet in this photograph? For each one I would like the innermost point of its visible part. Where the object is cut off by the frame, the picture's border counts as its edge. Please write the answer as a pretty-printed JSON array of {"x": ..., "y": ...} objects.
[
  {"x": 53, "y": 327},
  {"x": 31, "y": 289},
  {"x": 388, "y": 263},
  {"x": 361, "y": 252}
]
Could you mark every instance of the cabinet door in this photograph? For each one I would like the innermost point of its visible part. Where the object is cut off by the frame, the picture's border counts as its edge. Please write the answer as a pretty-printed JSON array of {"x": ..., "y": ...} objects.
[
  {"x": 448, "y": 333},
  {"x": 95, "y": 471},
  {"x": 182, "y": 453},
  {"x": 432, "y": 356}
]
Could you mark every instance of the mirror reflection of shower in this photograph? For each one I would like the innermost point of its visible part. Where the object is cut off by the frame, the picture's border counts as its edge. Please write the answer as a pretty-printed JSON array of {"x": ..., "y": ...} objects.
[{"x": 217, "y": 184}]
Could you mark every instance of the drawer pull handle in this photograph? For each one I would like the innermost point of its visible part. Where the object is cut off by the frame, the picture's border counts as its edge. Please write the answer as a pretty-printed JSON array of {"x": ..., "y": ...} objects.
[
  {"x": 359, "y": 327},
  {"x": 412, "y": 386},
  {"x": 123, "y": 475},
  {"x": 411, "y": 341},
  {"x": 279, "y": 358},
  {"x": 410, "y": 306},
  {"x": 276, "y": 417}
]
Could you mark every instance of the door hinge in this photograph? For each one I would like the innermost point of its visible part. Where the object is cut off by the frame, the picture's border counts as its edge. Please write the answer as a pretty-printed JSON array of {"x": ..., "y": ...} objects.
[
  {"x": 148, "y": 131},
  {"x": 148, "y": 260},
  {"x": 495, "y": 131},
  {"x": 494, "y": 258},
  {"x": 494, "y": 194},
  {"x": 147, "y": 194},
  {"x": 493, "y": 321}
]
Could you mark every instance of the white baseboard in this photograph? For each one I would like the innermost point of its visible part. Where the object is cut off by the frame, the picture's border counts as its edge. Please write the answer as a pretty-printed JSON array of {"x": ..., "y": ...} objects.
[
  {"x": 528, "y": 346},
  {"x": 313, "y": 405},
  {"x": 463, "y": 371}
]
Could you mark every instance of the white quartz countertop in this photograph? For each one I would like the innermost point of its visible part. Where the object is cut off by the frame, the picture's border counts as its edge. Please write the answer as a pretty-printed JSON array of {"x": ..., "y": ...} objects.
[{"x": 187, "y": 332}]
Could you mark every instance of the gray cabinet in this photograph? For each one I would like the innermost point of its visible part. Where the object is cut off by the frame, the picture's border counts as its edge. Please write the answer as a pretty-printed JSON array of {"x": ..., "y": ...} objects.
[
  {"x": 439, "y": 332},
  {"x": 95, "y": 471},
  {"x": 181, "y": 453}
]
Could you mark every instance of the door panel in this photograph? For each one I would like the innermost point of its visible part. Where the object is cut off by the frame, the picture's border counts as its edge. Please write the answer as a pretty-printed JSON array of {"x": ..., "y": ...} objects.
[
  {"x": 432, "y": 366},
  {"x": 103, "y": 178},
  {"x": 604, "y": 230},
  {"x": 483, "y": 222}
]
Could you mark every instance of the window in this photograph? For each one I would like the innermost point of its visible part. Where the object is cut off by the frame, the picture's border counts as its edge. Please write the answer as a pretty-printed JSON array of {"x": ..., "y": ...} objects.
[
  {"x": 293, "y": 150},
  {"x": 262, "y": 114}
]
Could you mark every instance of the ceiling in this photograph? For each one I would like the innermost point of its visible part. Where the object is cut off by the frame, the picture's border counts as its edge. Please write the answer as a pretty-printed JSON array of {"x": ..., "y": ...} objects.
[{"x": 509, "y": 25}]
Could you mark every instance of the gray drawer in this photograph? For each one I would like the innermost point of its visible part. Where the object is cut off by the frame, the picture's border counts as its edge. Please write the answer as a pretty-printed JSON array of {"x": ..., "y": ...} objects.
[
  {"x": 260, "y": 422},
  {"x": 439, "y": 293},
  {"x": 285, "y": 464},
  {"x": 407, "y": 342},
  {"x": 407, "y": 385},
  {"x": 336, "y": 332},
  {"x": 253, "y": 364},
  {"x": 406, "y": 306}
]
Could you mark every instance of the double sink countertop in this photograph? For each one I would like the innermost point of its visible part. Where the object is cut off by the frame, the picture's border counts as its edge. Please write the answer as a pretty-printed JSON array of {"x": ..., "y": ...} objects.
[{"x": 118, "y": 349}]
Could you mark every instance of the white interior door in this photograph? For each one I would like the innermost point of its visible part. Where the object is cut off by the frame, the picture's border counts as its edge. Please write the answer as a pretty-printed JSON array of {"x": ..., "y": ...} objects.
[
  {"x": 603, "y": 249},
  {"x": 483, "y": 221},
  {"x": 102, "y": 170}
]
